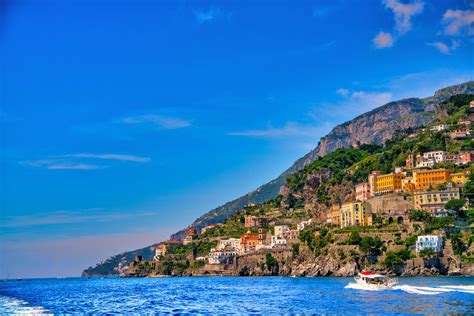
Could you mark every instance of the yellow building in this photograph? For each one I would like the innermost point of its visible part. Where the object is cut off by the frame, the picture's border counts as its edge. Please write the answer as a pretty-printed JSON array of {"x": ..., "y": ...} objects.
[
  {"x": 425, "y": 179},
  {"x": 386, "y": 183},
  {"x": 408, "y": 184},
  {"x": 459, "y": 178},
  {"x": 355, "y": 214}
]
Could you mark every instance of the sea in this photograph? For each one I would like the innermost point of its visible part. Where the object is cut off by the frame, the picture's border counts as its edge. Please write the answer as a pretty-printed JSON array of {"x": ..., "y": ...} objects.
[{"x": 235, "y": 295}]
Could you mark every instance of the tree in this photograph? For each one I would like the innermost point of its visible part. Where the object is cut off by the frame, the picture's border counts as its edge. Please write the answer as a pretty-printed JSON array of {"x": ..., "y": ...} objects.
[
  {"x": 455, "y": 205},
  {"x": 270, "y": 261},
  {"x": 354, "y": 239},
  {"x": 468, "y": 189},
  {"x": 371, "y": 246},
  {"x": 419, "y": 216}
]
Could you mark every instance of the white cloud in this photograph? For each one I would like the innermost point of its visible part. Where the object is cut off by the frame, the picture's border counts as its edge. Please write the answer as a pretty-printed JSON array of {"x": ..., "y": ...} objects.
[
  {"x": 342, "y": 91},
  {"x": 403, "y": 13},
  {"x": 290, "y": 129},
  {"x": 445, "y": 49},
  {"x": 76, "y": 161},
  {"x": 60, "y": 164},
  {"x": 157, "y": 120},
  {"x": 383, "y": 40},
  {"x": 207, "y": 16},
  {"x": 110, "y": 157},
  {"x": 457, "y": 22}
]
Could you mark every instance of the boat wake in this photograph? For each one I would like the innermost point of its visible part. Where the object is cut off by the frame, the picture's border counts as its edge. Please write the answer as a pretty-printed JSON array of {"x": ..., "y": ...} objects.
[
  {"x": 423, "y": 290},
  {"x": 10, "y": 305}
]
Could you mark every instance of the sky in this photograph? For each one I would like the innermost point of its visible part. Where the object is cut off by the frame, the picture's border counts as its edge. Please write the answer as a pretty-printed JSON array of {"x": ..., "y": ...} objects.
[{"x": 123, "y": 121}]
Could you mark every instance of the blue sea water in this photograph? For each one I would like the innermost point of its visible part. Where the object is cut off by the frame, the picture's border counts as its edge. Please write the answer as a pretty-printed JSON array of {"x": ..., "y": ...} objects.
[{"x": 244, "y": 295}]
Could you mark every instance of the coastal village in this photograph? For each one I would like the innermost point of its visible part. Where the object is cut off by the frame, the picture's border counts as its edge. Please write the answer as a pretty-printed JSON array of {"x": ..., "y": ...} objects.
[{"x": 415, "y": 219}]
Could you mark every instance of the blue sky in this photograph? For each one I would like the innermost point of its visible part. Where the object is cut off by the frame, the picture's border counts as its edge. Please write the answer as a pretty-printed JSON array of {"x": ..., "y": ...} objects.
[{"x": 124, "y": 121}]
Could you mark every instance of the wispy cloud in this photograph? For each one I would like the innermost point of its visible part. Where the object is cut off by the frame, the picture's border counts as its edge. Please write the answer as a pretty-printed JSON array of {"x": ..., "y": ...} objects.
[
  {"x": 403, "y": 13},
  {"x": 160, "y": 121},
  {"x": 290, "y": 129},
  {"x": 207, "y": 16},
  {"x": 119, "y": 157},
  {"x": 67, "y": 217},
  {"x": 458, "y": 22},
  {"x": 79, "y": 161},
  {"x": 383, "y": 40},
  {"x": 444, "y": 48},
  {"x": 60, "y": 164},
  {"x": 342, "y": 91}
]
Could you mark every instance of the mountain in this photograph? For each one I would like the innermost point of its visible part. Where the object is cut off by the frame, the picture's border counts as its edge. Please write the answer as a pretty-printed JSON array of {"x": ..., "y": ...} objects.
[{"x": 375, "y": 127}]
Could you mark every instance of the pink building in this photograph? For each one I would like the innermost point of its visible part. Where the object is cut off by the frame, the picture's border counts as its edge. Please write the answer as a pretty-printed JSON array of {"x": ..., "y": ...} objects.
[
  {"x": 362, "y": 191},
  {"x": 292, "y": 234},
  {"x": 466, "y": 157}
]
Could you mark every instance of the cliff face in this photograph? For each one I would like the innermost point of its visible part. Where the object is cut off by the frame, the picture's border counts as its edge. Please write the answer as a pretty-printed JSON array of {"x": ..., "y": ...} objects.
[{"x": 375, "y": 126}]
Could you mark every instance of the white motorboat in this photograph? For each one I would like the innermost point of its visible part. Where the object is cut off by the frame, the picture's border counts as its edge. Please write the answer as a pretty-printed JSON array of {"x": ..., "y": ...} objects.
[{"x": 373, "y": 281}]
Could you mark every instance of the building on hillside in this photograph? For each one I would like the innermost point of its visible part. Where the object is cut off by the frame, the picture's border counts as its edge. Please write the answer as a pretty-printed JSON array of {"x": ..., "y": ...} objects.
[
  {"x": 250, "y": 221},
  {"x": 408, "y": 184},
  {"x": 432, "y": 242},
  {"x": 453, "y": 158},
  {"x": 460, "y": 133},
  {"x": 459, "y": 178},
  {"x": 278, "y": 241},
  {"x": 292, "y": 234},
  {"x": 465, "y": 122},
  {"x": 333, "y": 216},
  {"x": 373, "y": 181},
  {"x": 471, "y": 104},
  {"x": 391, "y": 208},
  {"x": 261, "y": 222},
  {"x": 466, "y": 156},
  {"x": 386, "y": 183},
  {"x": 231, "y": 243},
  {"x": 248, "y": 242},
  {"x": 425, "y": 179},
  {"x": 434, "y": 200},
  {"x": 191, "y": 231},
  {"x": 304, "y": 224},
  {"x": 439, "y": 128},
  {"x": 190, "y": 234},
  {"x": 362, "y": 191},
  {"x": 410, "y": 162},
  {"x": 205, "y": 229},
  {"x": 163, "y": 248},
  {"x": 221, "y": 256},
  {"x": 355, "y": 214},
  {"x": 280, "y": 230},
  {"x": 435, "y": 156}
]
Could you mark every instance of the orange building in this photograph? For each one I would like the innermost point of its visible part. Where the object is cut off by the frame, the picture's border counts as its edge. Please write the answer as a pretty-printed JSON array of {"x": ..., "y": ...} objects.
[
  {"x": 249, "y": 241},
  {"x": 424, "y": 179}
]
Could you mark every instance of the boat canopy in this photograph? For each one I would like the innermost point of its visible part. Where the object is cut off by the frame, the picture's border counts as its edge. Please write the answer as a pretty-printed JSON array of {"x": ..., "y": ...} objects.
[{"x": 371, "y": 275}]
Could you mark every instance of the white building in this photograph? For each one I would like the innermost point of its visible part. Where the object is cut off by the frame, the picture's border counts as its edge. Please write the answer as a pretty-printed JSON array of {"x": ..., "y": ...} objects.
[
  {"x": 228, "y": 243},
  {"x": 280, "y": 230},
  {"x": 439, "y": 128},
  {"x": 436, "y": 156},
  {"x": 220, "y": 257},
  {"x": 303, "y": 224},
  {"x": 278, "y": 241},
  {"x": 429, "y": 242}
]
